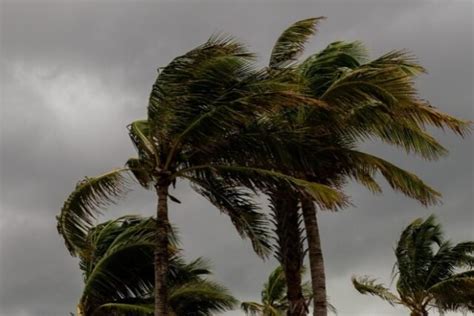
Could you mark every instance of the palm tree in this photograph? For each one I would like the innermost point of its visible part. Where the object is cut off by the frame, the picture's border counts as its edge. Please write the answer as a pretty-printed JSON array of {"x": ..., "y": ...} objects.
[
  {"x": 432, "y": 272},
  {"x": 198, "y": 105},
  {"x": 362, "y": 100},
  {"x": 117, "y": 263},
  {"x": 274, "y": 300}
]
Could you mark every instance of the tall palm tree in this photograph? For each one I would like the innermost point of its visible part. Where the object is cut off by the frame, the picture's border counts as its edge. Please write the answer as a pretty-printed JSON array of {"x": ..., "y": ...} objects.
[
  {"x": 198, "y": 105},
  {"x": 117, "y": 263},
  {"x": 432, "y": 272},
  {"x": 362, "y": 101}
]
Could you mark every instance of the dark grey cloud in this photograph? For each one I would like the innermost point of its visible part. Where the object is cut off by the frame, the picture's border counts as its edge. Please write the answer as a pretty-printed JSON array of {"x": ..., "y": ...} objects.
[{"x": 74, "y": 74}]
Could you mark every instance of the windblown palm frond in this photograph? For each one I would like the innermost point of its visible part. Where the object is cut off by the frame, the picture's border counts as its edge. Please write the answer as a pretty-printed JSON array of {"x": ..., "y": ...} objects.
[
  {"x": 238, "y": 205},
  {"x": 430, "y": 271},
  {"x": 365, "y": 165},
  {"x": 291, "y": 42},
  {"x": 128, "y": 309},
  {"x": 366, "y": 285},
  {"x": 202, "y": 297},
  {"x": 85, "y": 203}
]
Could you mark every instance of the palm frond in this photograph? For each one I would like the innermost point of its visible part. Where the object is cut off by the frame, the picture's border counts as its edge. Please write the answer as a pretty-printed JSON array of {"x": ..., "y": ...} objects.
[
  {"x": 172, "y": 92},
  {"x": 237, "y": 204},
  {"x": 414, "y": 253},
  {"x": 125, "y": 270},
  {"x": 274, "y": 289},
  {"x": 376, "y": 121},
  {"x": 399, "y": 179},
  {"x": 125, "y": 309},
  {"x": 204, "y": 296},
  {"x": 320, "y": 70},
  {"x": 252, "y": 308},
  {"x": 85, "y": 203},
  {"x": 140, "y": 171},
  {"x": 366, "y": 285},
  {"x": 139, "y": 132},
  {"x": 291, "y": 42},
  {"x": 257, "y": 178},
  {"x": 455, "y": 293}
]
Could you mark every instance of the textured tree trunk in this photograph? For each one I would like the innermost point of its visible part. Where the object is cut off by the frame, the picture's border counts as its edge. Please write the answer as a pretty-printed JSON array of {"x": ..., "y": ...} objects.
[
  {"x": 290, "y": 254},
  {"x": 316, "y": 262},
  {"x": 161, "y": 252}
]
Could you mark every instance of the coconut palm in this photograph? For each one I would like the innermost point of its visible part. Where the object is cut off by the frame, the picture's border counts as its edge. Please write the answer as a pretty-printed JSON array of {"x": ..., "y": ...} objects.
[
  {"x": 433, "y": 273},
  {"x": 117, "y": 264},
  {"x": 362, "y": 101},
  {"x": 274, "y": 300},
  {"x": 198, "y": 105},
  {"x": 273, "y": 297}
]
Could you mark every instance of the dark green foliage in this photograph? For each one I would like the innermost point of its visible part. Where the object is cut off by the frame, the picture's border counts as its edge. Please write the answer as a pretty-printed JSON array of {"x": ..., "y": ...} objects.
[
  {"x": 117, "y": 263},
  {"x": 432, "y": 273}
]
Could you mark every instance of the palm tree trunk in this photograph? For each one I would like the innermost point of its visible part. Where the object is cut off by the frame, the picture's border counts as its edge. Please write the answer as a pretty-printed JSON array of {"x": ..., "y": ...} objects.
[
  {"x": 290, "y": 252},
  {"x": 161, "y": 252},
  {"x": 316, "y": 262}
]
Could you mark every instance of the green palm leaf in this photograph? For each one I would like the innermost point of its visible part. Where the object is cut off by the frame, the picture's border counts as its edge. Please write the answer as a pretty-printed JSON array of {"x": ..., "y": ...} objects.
[
  {"x": 291, "y": 42},
  {"x": 84, "y": 204},
  {"x": 366, "y": 285}
]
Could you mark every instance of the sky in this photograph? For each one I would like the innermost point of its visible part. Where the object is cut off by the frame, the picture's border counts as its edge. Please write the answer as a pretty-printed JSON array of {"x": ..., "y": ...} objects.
[{"x": 75, "y": 73}]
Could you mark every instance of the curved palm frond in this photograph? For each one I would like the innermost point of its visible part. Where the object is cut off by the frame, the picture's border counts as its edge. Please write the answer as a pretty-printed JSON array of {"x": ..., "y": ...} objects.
[
  {"x": 139, "y": 132},
  {"x": 366, "y": 285},
  {"x": 252, "y": 308},
  {"x": 291, "y": 42},
  {"x": 323, "y": 68},
  {"x": 172, "y": 93},
  {"x": 256, "y": 178},
  {"x": 455, "y": 293},
  {"x": 125, "y": 269},
  {"x": 237, "y": 204},
  {"x": 125, "y": 309},
  {"x": 365, "y": 165},
  {"x": 203, "y": 295},
  {"x": 85, "y": 203}
]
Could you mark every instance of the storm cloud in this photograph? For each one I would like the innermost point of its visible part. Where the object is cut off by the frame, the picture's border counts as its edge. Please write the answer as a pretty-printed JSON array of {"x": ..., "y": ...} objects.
[{"x": 74, "y": 74}]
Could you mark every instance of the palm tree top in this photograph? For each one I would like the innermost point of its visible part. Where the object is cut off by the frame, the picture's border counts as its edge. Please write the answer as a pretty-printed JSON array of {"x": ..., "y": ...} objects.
[{"x": 431, "y": 272}]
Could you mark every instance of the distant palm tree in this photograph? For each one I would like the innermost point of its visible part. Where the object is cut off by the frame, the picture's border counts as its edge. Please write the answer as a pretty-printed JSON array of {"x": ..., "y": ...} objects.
[
  {"x": 117, "y": 263},
  {"x": 432, "y": 273},
  {"x": 274, "y": 300},
  {"x": 199, "y": 102}
]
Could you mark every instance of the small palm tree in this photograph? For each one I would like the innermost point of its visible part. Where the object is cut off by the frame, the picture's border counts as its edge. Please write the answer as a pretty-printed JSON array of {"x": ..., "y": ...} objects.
[
  {"x": 432, "y": 273},
  {"x": 117, "y": 263},
  {"x": 274, "y": 300}
]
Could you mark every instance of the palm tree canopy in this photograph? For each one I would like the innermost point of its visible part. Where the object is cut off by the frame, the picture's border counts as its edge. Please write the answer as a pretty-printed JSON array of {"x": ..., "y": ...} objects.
[
  {"x": 199, "y": 104},
  {"x": 431, "y": 271},
  {"x": 118, "y": 273}
]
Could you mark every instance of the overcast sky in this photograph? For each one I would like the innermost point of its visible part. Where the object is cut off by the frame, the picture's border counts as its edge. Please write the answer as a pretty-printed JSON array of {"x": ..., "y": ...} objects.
[{"x": 74, "y": 74}]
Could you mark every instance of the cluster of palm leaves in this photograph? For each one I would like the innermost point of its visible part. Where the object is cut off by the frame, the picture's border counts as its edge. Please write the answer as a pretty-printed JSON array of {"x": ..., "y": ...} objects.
[
  {"x": 289, "y": 130},
  {"x": 432, "y": 272},
  {"x": 117, "y": 264}
]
